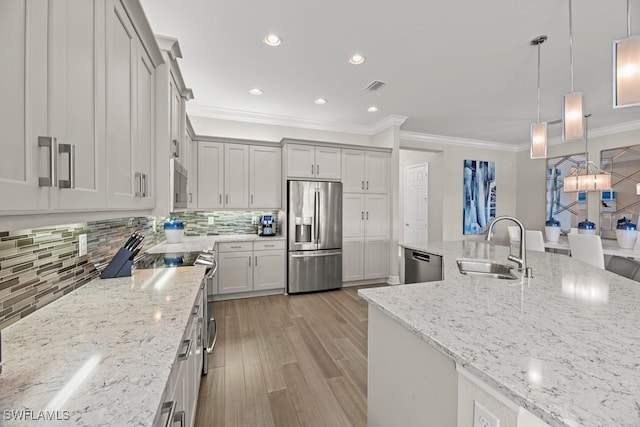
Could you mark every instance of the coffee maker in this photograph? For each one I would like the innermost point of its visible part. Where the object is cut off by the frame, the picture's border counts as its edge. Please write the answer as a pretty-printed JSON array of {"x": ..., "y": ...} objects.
[{"x": 267, "y": 226}]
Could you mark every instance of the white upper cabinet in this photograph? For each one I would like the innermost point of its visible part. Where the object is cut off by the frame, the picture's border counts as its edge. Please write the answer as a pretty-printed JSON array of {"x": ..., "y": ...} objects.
[
  {"x": 328, "y": 163},
  {"x": 210, "y": 175},
  {"x": 301, "y": 161},
  {"x": 236, "y": 176},
  {"x": 376, "y": 168},
  {"x": 308, "y": 161},
  {"x": 23, "y": 113},
  {"x": 265, "y": 181},
  {"x": 364, "y": 171},
  {"x": 121, "y": 81},
  {"x": 144, "y": 153},
  {"x": 77, "y": 102}
]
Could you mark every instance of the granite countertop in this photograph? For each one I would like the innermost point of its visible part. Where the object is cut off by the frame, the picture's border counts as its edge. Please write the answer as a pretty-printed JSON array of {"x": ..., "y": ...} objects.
[
  {"x": 201, "y": 243},
  {"x": 565, "y": 344},
  {"x": 103, "y": 352}
]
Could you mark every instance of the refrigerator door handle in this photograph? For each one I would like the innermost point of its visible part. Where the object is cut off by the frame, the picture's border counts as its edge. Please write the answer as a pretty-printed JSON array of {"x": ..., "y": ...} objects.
[{"x": 318, "y": 219}]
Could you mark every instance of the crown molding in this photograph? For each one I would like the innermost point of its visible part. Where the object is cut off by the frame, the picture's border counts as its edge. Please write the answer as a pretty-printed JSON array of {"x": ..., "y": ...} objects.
[
  {"x": 462, "y": 142},
  {"x": 194, "y": 109},
  {"x": 387, "y": 122},
  {"x": 169, "y": 45},
  {"x": 134, "y": 10},
  {"x": 593, "y": 133}
]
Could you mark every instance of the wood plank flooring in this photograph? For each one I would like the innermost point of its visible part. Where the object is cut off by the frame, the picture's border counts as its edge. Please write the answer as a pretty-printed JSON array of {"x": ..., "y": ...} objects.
[{"x": 297, "y": 360}]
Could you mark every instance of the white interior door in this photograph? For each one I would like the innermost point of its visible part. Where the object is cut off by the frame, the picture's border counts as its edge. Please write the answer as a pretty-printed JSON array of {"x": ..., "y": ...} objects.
[{"x": 415, "y": 204}]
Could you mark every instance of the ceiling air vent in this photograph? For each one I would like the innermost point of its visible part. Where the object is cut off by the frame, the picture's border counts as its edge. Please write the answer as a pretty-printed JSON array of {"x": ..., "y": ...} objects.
[{"x": 375, "y": 85}]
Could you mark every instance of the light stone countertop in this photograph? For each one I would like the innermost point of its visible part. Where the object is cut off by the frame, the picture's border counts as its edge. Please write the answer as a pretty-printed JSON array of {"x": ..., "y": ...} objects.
[
  {"x": 565, "y": 345},
  {"x": 103, "y": 352},
  {"x": 200, "y": 243}
]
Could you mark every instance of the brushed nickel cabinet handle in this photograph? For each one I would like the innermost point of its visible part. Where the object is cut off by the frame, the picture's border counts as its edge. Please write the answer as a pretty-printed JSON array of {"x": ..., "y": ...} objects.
[
  {"x": 185, "y": 355},
  {"x": 363, "y": 185},
  {"x": 69, "y": 149},
  {"x": 362, "y": 214},
  {"x": 312, "y": 169},
  {"x": 138, "y": 178},
  {"x": 317, "y": 169},
  {"x": 168, "y": 407},
  {"x": 226, "y": 199},
  {"x": 220, "y": 198},
  {"x": 190, "y": 197},
  {"x": 180, "y": 417},
  {"x": 249, "y": 261},
  {"x": 252, "y": 199},
  {"x": 367, "y": 185},
  {"x": 367, "y": 215},
  {"x": 256, "y": 264},
  {"x": 144, "y": 185},
  {"x": 50, "y": 143},
  {"x": 176, "y": 148}
]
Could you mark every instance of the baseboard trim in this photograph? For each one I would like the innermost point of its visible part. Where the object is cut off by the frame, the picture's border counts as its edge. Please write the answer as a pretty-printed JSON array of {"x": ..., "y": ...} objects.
[
  {"x": 379, "y": 281},
  {"x": 238, "y": 295}
]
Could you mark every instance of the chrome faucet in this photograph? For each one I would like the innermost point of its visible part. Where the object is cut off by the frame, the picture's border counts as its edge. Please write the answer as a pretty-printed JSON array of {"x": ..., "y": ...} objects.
[{"x": 522, "y": 260}]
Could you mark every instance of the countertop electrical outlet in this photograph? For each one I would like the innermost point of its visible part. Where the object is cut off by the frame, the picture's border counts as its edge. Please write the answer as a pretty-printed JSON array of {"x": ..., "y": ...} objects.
[
  {"x": 482, "y": 417},
  {"x": 210, "y": 220},
  {"x": 82, "y": 244}
]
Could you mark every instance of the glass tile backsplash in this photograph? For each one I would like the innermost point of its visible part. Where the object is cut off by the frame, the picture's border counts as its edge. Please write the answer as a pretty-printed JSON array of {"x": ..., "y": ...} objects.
[{"x": 39, "y": 265}]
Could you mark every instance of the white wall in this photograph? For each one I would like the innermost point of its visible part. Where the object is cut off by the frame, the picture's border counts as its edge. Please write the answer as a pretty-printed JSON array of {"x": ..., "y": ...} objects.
[
  {"x": 446, "y": 183},
  {"x": 531, "y": 175}
]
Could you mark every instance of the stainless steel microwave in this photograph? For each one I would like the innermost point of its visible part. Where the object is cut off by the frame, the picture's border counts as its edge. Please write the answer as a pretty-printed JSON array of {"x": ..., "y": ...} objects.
[{"x": 178, "y": 183}]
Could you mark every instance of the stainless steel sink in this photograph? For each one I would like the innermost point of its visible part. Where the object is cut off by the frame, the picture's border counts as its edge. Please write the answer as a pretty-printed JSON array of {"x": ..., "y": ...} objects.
[{"x": 483, "y": 267}]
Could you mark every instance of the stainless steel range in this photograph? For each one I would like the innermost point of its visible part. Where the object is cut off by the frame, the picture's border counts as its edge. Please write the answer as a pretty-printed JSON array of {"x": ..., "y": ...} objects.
[{"x": 186, "y": 259}]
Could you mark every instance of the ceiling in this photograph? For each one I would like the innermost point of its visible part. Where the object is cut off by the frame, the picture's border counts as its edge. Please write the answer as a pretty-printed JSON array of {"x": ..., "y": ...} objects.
[{"x": 457, "y": 69}]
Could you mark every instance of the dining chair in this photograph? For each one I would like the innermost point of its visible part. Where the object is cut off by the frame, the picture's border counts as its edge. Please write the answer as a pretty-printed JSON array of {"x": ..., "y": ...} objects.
[
  {"x": 535, "y": 241},
  {"x": 587, "y": 248}
]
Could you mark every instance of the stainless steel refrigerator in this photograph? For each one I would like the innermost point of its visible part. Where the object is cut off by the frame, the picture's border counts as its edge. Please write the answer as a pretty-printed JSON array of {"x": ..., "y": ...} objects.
[{"x": 315, "y": 236}]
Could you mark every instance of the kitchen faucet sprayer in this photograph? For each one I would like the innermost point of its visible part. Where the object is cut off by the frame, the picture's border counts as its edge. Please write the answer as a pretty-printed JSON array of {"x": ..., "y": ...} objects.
[{"x": 522, "y": 260}]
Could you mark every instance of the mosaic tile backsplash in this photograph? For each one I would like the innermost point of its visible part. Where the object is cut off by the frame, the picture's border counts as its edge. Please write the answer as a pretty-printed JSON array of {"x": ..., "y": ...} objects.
[{"x": 37, "y": 266}]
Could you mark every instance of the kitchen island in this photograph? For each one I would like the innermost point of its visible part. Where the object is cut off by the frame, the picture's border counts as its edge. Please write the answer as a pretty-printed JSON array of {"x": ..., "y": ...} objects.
[
  {"x": 101, "y": 355},
  {"x": 563, "y": 346}
]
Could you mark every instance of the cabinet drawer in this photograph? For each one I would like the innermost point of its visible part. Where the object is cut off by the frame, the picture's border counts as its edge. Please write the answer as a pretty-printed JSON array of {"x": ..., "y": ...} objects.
[
  {"x": 235, "y": 246},
  {"x": 260, "y": 245}
]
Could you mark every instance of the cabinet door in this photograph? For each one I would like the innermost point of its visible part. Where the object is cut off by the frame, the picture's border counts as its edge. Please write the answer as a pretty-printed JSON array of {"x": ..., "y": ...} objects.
[
  {"x": 236, "y": 176},
  {"x": 235, "y": 272},
  {"x": 23, "y": 111},
  {"x": 265, "y": 181},
  {"x": 375, "y": 215},
  {"x": 144, "y": 149},
  {"x": 353, "y": 171},
  {"x": 375, "y": 258},
  {"x": 77, "y": 101},
  {"x": 121, "y": 78},
  {"x": 210, "y": 174},
  {"x": 328, "y": 163},
  {"x": 352, "y": 259},
  {"x": 353, "y": 215},
  {"x": 192, "y": 181},
  {"x": 301, "y": 161},
  {"x": 376, "y": 172},
  {"x": 177, "y": 122},
  {"x": 268, "y": 270}
]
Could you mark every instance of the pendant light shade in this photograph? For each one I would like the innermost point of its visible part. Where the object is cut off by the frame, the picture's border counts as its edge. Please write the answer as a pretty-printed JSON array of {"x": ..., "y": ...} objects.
[
  {"x": 572, "y": 102},
  {"x": 539, "y": 140},
  {"x": 539, "y": 130},
  {"x": 572, "y": 116},
  {"x": 626, "y": 69},
  {"x": 589, "y": 178}
]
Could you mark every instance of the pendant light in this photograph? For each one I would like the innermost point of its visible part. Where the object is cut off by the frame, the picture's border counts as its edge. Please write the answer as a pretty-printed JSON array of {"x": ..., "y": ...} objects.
[
  {"x": 572, "y": 102},
  {"x": 539, "y": 130},
  {"x": 626, "y": 69},
  {"x": 591, "y": 178}
]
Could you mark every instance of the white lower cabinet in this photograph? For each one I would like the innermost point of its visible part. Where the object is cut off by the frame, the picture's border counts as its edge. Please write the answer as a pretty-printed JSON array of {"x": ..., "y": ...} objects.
[
  {"x": 234, "y": 272},
  {"x": 247, "y": 266},
  {"x": 180, "y": 398},
  {"x": 365, "y": 241}
]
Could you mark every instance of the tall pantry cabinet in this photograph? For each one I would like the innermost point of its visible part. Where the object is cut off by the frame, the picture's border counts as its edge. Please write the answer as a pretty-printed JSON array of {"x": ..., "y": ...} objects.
[
  {"x": 63, "y": 141},
  {"x": 365, "y": 215}
]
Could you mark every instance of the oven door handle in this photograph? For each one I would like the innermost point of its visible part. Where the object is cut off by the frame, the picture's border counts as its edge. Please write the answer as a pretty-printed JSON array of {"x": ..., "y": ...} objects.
[{"x": 212, "y": 272}]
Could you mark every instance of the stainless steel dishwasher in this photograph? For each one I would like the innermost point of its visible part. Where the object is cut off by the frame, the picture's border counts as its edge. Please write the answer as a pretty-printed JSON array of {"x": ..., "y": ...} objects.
[{"x": 421, "y": 267}]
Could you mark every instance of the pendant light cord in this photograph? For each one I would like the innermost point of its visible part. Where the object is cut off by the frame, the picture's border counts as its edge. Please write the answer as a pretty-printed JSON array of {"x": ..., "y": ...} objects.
[
  {"x": 628, "y": 19},
  {"x": 539, "y": 81},
  {"x": 571, "y": 42}
]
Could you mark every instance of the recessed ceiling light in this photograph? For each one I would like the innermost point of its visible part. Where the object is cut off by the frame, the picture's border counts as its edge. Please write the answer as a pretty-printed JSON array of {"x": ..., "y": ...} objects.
[
  {"x": 255, "y": 91},
  {"x": 272, "y": 40},
  {"x": 356, "y": 59},
  {"x": 372, "y": 109},
  {"x": 320, "y": 101}
]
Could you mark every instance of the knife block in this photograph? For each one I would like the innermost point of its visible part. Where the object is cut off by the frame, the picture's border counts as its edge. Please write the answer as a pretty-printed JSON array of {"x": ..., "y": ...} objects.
[{"x": 120, "y": 265}]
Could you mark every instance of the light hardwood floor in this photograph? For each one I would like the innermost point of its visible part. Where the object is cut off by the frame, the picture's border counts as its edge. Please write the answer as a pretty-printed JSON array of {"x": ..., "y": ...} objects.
[{"x": 297, "y": 360}]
